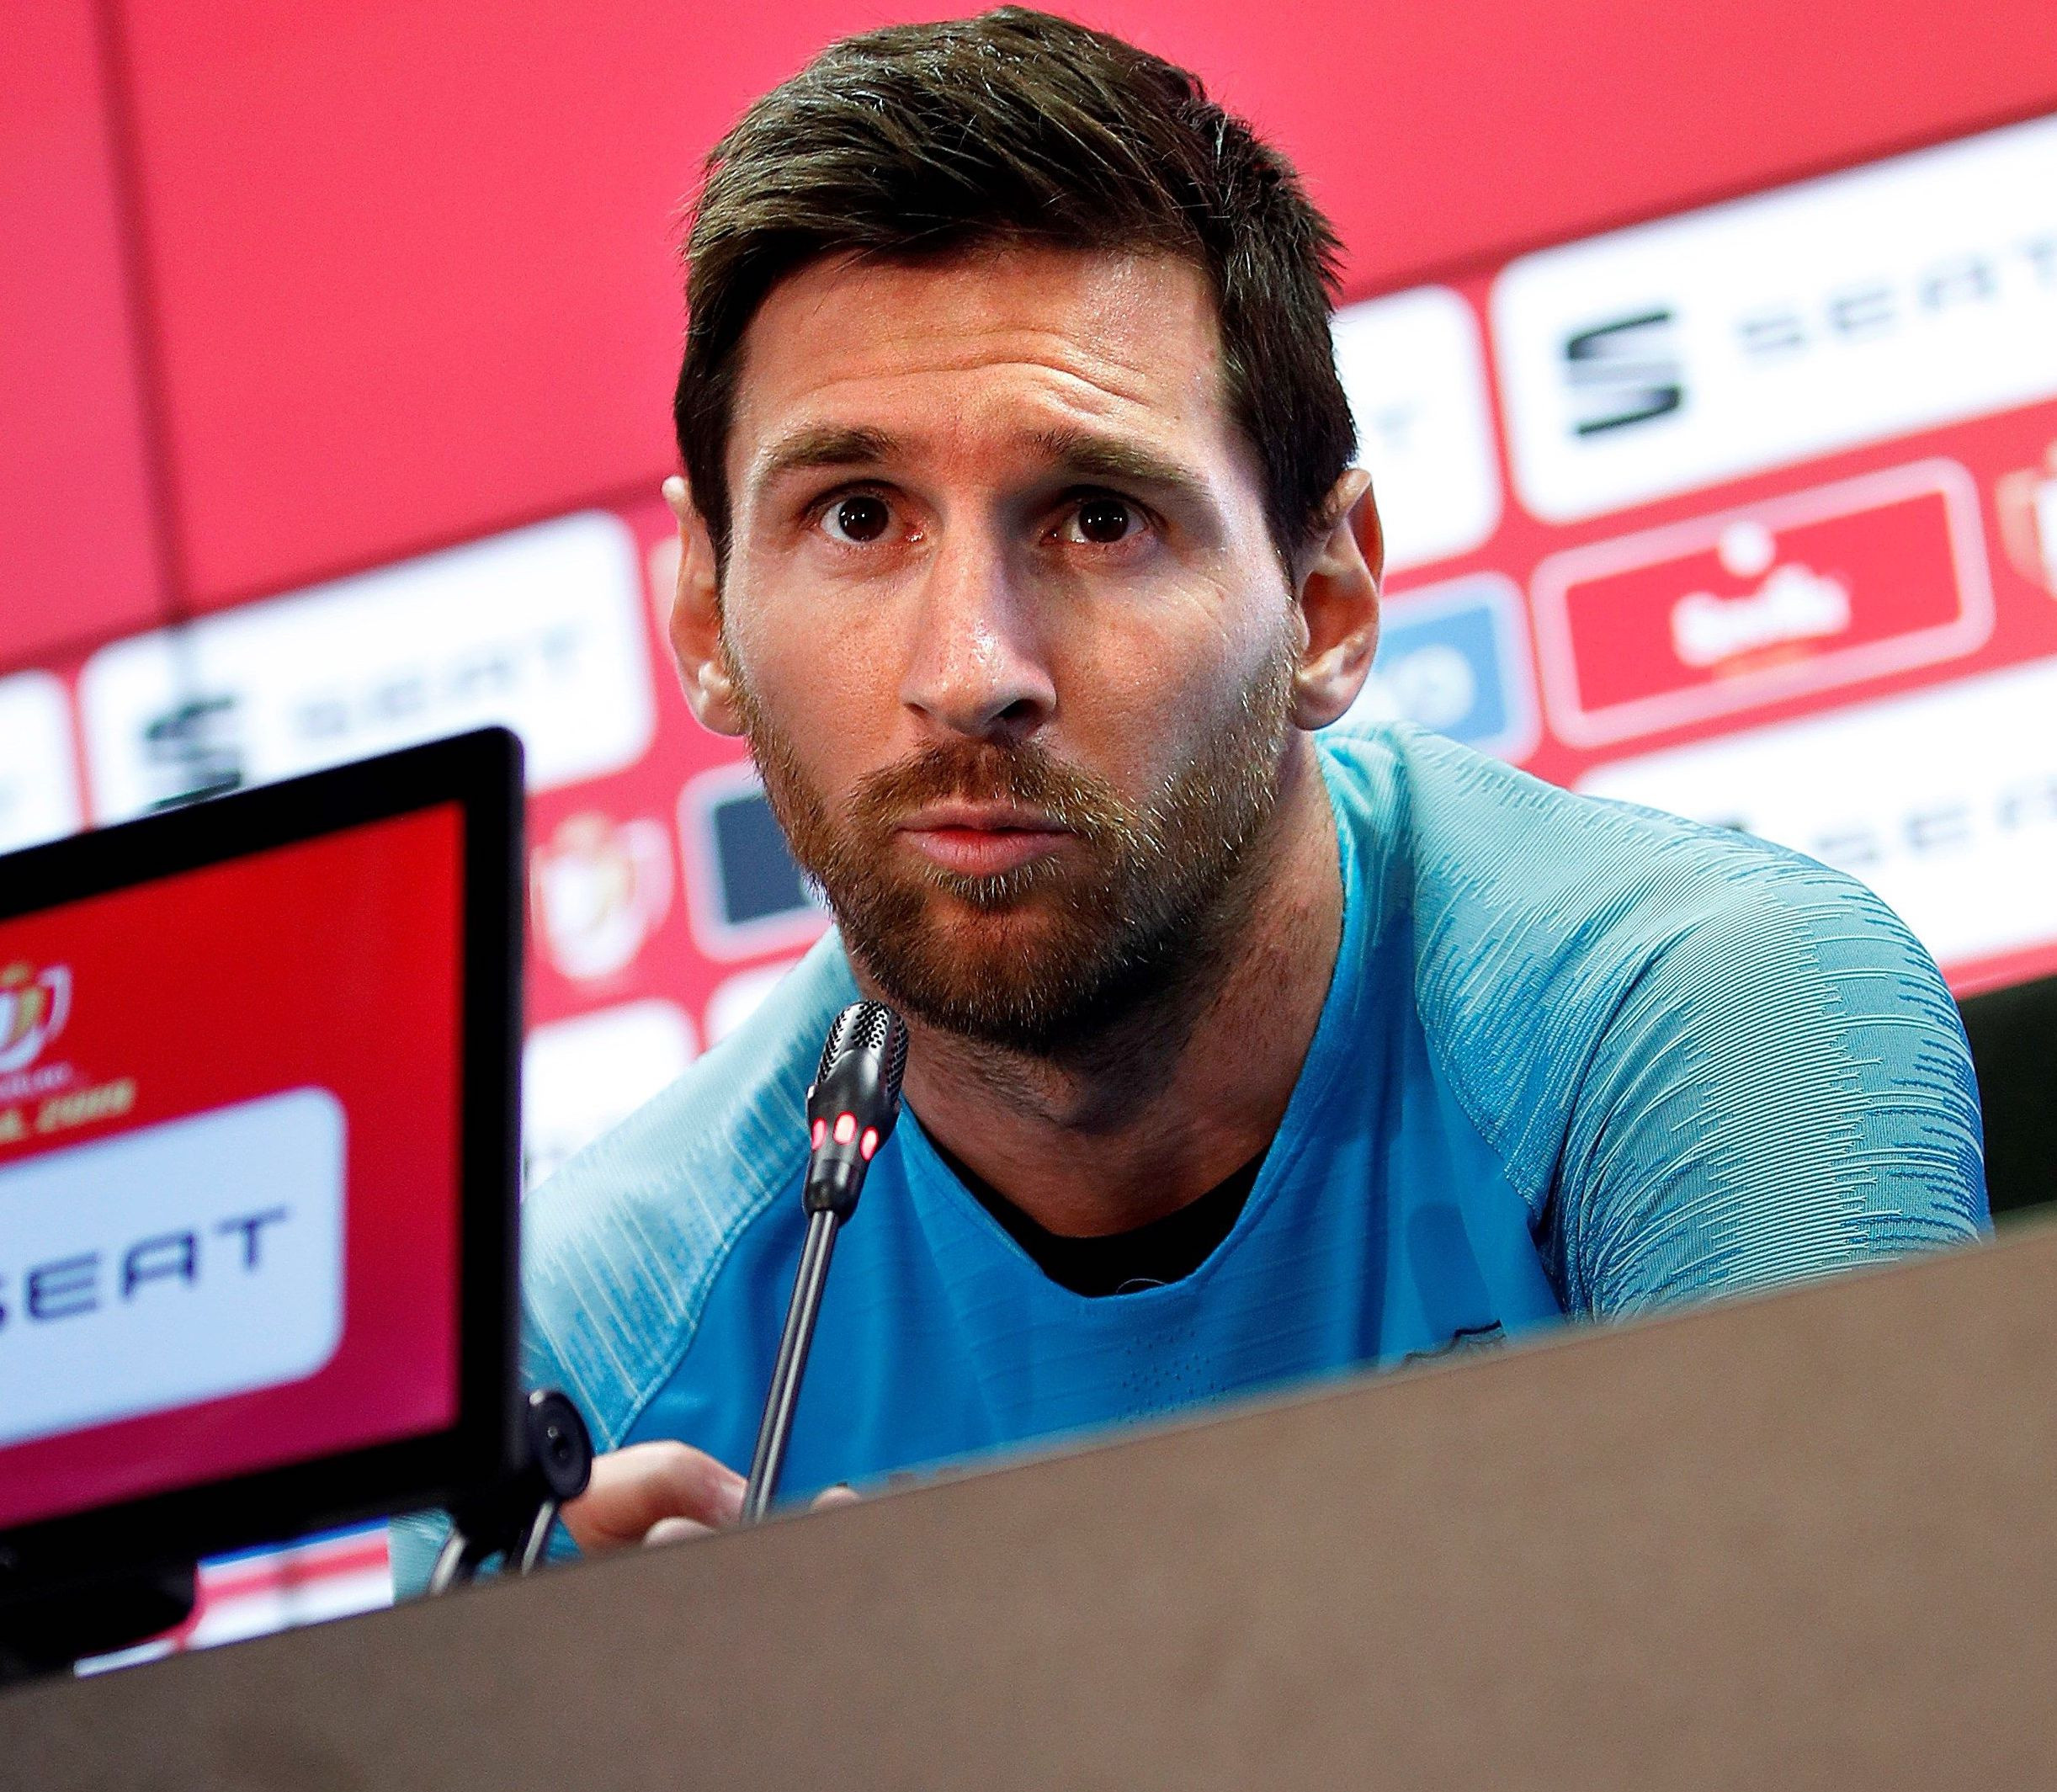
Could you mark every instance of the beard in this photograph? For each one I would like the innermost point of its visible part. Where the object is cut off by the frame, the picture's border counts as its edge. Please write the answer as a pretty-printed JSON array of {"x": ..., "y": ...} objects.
[{"x": 1047, "y": 957}]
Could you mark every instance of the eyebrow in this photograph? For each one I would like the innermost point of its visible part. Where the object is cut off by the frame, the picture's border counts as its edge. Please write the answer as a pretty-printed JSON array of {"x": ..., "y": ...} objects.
[
  {"x": 824, "y": 446},
  {"x": 1074, "y": 454},
  {"x": 1082, "y": 455}
]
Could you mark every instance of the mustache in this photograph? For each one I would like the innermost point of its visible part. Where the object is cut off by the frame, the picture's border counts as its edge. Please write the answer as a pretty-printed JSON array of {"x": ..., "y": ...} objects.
[{"x": 1026, "y": 776}]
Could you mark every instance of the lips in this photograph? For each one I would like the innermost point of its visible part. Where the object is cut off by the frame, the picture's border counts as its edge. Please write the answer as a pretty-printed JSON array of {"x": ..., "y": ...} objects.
[{"x": 981, "y": 839}]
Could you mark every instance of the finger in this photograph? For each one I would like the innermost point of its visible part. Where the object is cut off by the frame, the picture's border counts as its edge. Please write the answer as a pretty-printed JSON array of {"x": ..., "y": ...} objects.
[
  {"x": 633, "y": 1488},
  {"x": 673, "y": 1530},
  {"x": 838, "y": 1495}
]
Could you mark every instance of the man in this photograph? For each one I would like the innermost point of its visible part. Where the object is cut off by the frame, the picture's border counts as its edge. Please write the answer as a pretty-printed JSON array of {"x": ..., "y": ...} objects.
[{"x": 1021, "y": 539}]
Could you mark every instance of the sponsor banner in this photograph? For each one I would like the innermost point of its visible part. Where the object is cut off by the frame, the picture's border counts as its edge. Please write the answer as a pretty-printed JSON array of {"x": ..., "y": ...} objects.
[
  {"x": 540, "y": 629},
  {"x": 1729, "y": 612},
  {"x": 744, "y": 894},
  {"x": 1454, "y": 658},
  {"x": 1415, "y": 372},
  {"x": 38, "y": 782},
  {"x": 1897, "y": 297},
  {"x": 581, "y": 1076},
  {"x": 173, "y": 1265},
  {"x": 1944, "y": 801}
]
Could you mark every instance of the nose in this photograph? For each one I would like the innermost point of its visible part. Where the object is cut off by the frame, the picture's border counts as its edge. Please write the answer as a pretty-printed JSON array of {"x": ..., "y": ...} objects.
[{"x": 976, "y": 666}]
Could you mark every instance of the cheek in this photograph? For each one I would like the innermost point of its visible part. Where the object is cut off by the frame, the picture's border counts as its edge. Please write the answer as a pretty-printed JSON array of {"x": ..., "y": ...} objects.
[
  {"x": 823, "y": 691},
  {"x": 1152, "y": 691},
  {"x": 790, "y": 626}
]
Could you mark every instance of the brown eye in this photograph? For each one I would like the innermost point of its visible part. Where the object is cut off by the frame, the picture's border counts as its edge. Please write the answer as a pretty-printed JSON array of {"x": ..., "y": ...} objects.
[
  {"x": 858, "y": 518},
  {"x": 1104, "y": 521}
]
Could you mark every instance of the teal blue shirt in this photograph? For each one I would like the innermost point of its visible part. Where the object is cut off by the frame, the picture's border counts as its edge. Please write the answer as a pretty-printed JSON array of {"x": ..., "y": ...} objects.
[{"x": 1575, "y": 1058}]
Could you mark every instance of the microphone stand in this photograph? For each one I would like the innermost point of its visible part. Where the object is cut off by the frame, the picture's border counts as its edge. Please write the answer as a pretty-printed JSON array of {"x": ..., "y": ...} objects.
[
  {"x": 768, "y": 1461},
  {"x": 852, "y": 1105}
]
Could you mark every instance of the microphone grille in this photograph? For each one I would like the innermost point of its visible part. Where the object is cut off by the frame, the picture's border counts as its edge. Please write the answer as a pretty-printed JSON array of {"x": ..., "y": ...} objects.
[
  {"x": 896, "y": 1054},
  {"x": 867, "y": 1027}
]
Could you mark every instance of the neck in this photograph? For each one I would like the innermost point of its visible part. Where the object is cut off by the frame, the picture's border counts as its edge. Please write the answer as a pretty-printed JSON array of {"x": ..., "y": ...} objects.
[{"x": 1181, "y": 1091}]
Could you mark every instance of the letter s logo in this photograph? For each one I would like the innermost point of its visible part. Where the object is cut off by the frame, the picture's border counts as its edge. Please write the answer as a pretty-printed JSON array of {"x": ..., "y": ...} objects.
[{"x": 1623, "y": 372}]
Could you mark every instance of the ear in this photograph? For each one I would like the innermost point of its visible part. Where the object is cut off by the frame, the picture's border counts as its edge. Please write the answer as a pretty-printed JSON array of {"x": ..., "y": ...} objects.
[
  {"x": 696, "y": 619},
  {"x": 1339, "y": 605}
]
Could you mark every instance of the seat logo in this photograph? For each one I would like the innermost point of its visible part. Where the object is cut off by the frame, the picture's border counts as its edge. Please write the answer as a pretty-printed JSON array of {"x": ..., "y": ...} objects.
[{"x": 1623, "y": 372}]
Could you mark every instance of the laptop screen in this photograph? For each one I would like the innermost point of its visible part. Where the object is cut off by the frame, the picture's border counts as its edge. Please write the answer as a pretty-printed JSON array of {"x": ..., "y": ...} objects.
[{"x": 231, "y": 1136}]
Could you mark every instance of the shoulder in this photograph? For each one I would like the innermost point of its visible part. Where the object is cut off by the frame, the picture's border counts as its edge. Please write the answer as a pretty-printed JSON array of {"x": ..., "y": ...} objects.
[
  {"x": 621, "y": 1248},
  {"x": 1478, "y": 851},
  {"x": 1474, "y": 829},
  {"x": 1551, "y": 929}
]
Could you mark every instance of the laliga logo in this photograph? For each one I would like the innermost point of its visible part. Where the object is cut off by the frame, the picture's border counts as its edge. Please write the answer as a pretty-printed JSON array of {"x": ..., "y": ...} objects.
[{"x": 33, "y": 1008}]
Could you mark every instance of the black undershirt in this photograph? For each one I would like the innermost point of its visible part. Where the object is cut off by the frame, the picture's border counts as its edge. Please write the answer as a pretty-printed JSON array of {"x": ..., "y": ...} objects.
[{"x": 1123, "y": 1263}]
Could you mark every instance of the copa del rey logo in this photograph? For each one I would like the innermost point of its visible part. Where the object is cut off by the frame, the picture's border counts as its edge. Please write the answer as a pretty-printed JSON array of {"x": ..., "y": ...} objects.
[{"x": 34, "y": 1007}]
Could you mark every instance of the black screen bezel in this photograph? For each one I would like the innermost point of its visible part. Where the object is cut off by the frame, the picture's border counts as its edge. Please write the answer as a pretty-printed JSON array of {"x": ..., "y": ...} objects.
[{"x": 482, "y": 772}]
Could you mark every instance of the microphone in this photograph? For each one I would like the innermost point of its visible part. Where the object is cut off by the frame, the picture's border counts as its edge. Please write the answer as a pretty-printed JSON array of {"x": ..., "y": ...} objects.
[{"x": 851, "y": 1106}]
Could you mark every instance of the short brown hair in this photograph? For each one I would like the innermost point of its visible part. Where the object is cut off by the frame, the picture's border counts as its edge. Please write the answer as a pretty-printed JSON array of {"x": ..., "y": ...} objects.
[{"x": 1016, "y": 126}]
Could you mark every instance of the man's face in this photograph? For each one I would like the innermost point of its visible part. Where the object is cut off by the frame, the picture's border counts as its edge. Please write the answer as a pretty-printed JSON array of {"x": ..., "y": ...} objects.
[{"x": 1013, "y": 643}]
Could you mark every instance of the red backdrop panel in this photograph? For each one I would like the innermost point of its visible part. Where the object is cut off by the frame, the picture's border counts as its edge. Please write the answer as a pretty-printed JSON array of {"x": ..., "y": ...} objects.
[
  {"x": 415, "y": 270},
  {"x": 76, "y": 552}
]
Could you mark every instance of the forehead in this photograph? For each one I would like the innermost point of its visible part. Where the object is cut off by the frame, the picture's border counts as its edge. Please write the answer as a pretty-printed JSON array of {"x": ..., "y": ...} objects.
[{"x": 985, "y": 347}]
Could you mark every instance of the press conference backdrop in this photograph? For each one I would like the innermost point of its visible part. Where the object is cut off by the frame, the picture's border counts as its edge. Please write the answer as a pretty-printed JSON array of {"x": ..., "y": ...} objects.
[{"x": 338, "y": 408}]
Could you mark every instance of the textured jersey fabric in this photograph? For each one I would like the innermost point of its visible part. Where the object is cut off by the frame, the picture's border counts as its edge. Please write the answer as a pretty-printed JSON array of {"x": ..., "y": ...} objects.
[{"x": 1575, "y": 1058}]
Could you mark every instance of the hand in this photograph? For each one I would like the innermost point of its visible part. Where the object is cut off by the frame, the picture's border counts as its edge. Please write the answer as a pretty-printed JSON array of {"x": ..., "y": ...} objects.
[{"x": 661, "y": 1492}]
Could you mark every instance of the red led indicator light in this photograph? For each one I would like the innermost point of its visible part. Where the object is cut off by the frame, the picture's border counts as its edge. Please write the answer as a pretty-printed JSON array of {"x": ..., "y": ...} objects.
[
  {"x": 821, "y": 1132},
  {"x": 846, "y": 1128},
  {"x": 868, "y": 1144}
]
